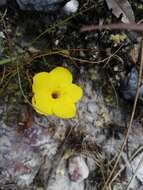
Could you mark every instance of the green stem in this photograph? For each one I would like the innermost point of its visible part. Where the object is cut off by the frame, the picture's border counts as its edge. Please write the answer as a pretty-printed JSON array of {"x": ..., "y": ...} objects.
[{"x": 8, "y": 60}]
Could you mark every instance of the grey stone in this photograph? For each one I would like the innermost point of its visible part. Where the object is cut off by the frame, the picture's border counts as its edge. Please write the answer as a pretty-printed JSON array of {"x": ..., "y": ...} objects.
[
  {"x": 3, "y": 2},
  {"x": 39, "y": 5}
]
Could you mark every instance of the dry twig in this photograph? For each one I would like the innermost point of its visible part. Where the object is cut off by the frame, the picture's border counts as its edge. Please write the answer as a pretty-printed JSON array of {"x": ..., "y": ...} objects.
[{"x": 114, "y": 26}]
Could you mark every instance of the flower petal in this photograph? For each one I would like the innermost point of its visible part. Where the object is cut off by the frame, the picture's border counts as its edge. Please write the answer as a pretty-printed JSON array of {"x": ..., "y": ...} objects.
[
  {"x": 74, "y": 92},
  {"x": 64, "y": 110},
  {"x": 40, "y": 80},
  {"x": 42, "y": 103},
  {"x": 60, "y": 76},
  {"x": 54, "y": 93}
]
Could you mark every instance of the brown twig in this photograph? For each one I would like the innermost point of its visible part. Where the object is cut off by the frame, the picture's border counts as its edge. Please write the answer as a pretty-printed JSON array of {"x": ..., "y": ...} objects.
[
  {"x": 114, "y": 26},
  {"x": 66, "y": 55},
  {"x": 131, "y": 119}
]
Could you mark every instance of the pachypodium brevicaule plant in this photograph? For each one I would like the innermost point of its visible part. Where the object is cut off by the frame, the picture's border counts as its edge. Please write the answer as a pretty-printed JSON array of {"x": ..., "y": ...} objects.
[{"x": 55, "y": 94}]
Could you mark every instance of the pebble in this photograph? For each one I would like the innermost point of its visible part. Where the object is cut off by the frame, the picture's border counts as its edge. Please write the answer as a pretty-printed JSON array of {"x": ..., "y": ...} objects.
[
  {"x": 78, "y": 170},
  {"x": 92, "y": 108},
  {"x": 71, "y": 6},
  {"x": 129, "y": 85}
]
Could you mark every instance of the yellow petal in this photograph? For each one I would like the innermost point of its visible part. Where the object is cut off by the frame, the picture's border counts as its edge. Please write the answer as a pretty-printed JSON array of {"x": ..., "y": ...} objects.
[
  {"x": 60, "y": 76},
  {"x": 35, "y": 106},
  {"x": 74, "y": 92},
  {"x": 64, "y": 110},
  {"x": 40, "y": 80},
  {"x": 42, "y": 103}
]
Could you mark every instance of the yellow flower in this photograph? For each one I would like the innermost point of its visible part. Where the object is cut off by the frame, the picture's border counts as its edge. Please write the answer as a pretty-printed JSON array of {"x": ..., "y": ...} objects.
[
  {"x": 118, "y": 38},
  {"x": 55, "y": 94}
]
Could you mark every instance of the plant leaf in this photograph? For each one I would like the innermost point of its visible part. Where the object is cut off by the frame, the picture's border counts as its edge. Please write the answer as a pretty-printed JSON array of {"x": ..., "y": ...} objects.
[
  {"x": 122, "y": 7},
  {"x": 7, "y": 60}
]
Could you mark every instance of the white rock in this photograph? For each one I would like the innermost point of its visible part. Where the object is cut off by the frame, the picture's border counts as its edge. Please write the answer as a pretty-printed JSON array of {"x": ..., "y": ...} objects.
[
  {"x": 71, "y": 6},
  {"x": 78, "y": 170},
  {"x": 2, "y": 35},
  {"x": 92, "y": 108},
  {"x": 62, "y": 182},
  {"x": 138, "y": 160}
]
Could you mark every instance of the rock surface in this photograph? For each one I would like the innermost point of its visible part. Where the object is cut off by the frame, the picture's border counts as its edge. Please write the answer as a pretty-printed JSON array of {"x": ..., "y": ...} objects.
[
  {"x": 78, "y": 170},
  {"x": 3, "y": 2},
  {"x": 39, "y": 5},
  {"x": 24, "y": 146},
  {"x": 137, "y": 166},
  {"x": 61, "y": 181},
  {"x": 20, "y": 154}
]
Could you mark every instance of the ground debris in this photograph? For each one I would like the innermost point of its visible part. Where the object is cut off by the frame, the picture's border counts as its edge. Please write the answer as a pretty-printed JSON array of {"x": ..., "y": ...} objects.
[{"x": 122, "y": 8}]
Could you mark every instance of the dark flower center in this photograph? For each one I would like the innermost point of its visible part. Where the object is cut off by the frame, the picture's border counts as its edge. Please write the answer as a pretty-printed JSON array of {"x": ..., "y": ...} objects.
[{"x": 55, "y": 95}]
